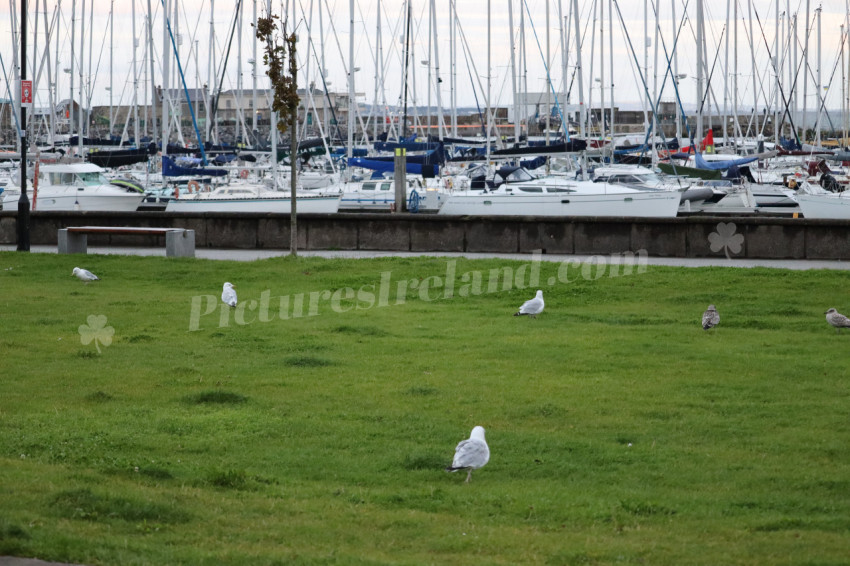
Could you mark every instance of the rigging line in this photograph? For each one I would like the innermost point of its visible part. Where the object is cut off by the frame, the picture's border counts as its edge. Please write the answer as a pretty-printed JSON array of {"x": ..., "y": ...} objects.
[
  {"x": 9, "y": 91},
  {"x": 185, "y": 88},
  {"x": 829, "y": 84},
  {"x": 96, "y": 69},
  {"x": 640, "y": 73},
  {"x": 223, "y": 67},
  {"x": 575, "y": 67},
  {"x": 781, "y": 90},
  {"x": 711, "y": 74},
  {"x": 668, "y": 57},
  {"x": 466, "y": 58},
  {"x": 548, "y": 75}
]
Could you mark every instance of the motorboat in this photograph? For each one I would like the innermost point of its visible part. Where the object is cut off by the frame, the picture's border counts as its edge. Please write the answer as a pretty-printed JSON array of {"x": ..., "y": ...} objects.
[{"x": 75, "y": 186}]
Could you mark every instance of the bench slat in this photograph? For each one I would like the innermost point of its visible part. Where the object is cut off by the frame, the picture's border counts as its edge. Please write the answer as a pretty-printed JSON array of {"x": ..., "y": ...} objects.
[{"x": 120, "y": 230}]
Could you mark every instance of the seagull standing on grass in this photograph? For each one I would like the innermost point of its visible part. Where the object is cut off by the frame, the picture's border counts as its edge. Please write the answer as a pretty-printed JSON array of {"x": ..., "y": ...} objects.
[
  {"x": 471, "y": 453},
  {"x": 228, "y": 295},
  {"x": 85, "y": 275},
  {"x": 532, "y": 307},
  {"x": 837, "y": 319},
  {"x": 710, "y": 318}
]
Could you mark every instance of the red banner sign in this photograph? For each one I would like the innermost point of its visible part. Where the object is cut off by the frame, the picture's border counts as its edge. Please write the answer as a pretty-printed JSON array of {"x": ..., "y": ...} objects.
[{"x": 26, "y": 93}]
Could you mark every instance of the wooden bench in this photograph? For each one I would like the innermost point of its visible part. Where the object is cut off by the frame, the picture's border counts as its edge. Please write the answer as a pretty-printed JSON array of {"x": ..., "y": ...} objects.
[{"x": 179, "y": 242}]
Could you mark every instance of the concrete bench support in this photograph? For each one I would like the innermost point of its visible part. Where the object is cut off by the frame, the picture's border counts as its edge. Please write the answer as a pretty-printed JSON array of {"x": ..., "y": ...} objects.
[
  {"x": 179, "y": 242},
  {"x": 72, "y": 242}
]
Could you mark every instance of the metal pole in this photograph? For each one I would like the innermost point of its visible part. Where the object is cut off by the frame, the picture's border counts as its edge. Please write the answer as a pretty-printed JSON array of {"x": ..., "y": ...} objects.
[{"x": 23, "y": 219}]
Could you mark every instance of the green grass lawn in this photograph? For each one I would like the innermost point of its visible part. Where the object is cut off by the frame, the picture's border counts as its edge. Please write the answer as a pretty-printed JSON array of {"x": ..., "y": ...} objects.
[{"x": 620, "y": 432}]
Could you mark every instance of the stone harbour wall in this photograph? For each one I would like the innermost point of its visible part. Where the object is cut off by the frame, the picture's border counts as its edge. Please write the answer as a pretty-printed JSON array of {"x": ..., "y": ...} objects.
[{"x": 695, "y": 236}]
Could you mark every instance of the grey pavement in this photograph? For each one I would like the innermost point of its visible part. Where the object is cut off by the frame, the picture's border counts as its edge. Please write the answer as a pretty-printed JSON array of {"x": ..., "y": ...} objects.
[{"x": 255, "y": 254}]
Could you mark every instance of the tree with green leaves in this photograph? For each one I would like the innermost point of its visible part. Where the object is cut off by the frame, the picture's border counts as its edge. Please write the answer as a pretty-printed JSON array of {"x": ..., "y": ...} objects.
[{"x": 282, "y": 69}]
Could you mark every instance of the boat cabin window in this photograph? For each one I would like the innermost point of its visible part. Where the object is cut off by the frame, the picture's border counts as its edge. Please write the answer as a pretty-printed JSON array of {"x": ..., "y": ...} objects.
[
  {"x": 62, "y": 178},
  {"x": 558, "y": 190},
  {"x": 369, "y": 186},
  {"x": 531, "y": 189},
  {"x": 519, "y": 175},
  {"x": 92, "y": 179},
  {"x": 623, "y": 179},
  {"x": 386, "y": 186}
]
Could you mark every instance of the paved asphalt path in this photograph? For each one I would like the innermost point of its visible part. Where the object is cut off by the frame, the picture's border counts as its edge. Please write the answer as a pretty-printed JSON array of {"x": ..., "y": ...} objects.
[{"x": 252, "y": 255}]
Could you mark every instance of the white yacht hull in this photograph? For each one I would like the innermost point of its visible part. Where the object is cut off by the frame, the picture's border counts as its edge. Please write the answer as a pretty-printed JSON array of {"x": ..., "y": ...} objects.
[
  {"x": 832, "y": 206},
  {"x": 75, "y": 198},
  {"x": 283, "y": 205},
  {"x": 662, "y": 204}
]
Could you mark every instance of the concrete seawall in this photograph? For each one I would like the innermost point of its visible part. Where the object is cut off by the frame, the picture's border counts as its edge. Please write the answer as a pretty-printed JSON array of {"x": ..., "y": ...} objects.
[{"x": 744, "y": 237}]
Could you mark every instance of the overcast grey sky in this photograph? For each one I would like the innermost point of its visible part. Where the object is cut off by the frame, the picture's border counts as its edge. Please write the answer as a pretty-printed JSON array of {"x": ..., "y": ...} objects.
[{"x": 329, "y": 20}]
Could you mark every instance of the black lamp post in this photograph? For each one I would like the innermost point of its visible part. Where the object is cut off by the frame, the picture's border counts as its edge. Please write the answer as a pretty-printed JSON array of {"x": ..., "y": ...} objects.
[{"x": 23, "y": 220}]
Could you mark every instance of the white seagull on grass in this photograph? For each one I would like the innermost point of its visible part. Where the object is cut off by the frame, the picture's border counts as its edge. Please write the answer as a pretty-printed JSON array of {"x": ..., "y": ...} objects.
[
  {"x": 837, "y": 319},
  {"x": 710, "y": 318},
  {"x": 471, "y": 453},
  {"x": 85, "y": 275},
  {"x": 532, "y": 307},
  {"x": 228, "y": 295}
]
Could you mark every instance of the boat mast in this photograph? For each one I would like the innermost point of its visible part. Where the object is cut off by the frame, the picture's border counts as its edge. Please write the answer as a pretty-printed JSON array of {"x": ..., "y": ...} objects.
[
  {"x": 611, "y": 65},
  {"x": 591, "y": 71},
  {"x": 602, "y": 68},
  {"x": 441, "y": 122},
  {"x": 646, "y": 103},
  {"x": 700, "y": 40},
  {"x": 676, "y": 67},
  {"x": 350, "y": 145},
  {"x": 166, "y": 59},
  {"x": 135, "y": 81},
  {"x": 379, "y": 79},
  {"x": 805, "y": 123},
  {"x": 427, "y": 63},
  {"x": 487, "y": 130},
  {"x": 111, "y": 53},
  {"x": 50, "y": 95},
  {"x": 776, "y": 70},
  {"x": 523, "y": 65},
  {"x": 513, "y": 70},
  {"x": 210, "y": 94},
  {"x": 254, "y": 131},
  {"x": 755, "y": 72},
  {"x": 548, "y": 79},
  {"x": 453, "y": 63},
  {"x": 725, "y": 119},
  {"x": 406, "y": 66},
  {"x": 582, "y": 109},
  {"x": 819, "y": 85},
  {"x": 90, "y": 75},
  {"x": 81, "y": 131}
]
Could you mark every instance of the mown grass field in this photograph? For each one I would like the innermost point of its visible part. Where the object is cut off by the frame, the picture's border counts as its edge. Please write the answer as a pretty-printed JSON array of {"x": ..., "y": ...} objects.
[{"x": 620, "y": 432}]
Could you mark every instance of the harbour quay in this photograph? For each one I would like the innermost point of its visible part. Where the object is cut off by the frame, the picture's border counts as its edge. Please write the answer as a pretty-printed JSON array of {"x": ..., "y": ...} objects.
[{"x": 751, "y": 237}]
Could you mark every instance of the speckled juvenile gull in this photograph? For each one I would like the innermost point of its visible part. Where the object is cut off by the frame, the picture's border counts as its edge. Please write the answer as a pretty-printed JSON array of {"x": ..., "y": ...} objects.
[
  {"x": 84, "y": 275},
  {"x": 532, "y": 307},
  {"x": 228, "y": 295},
  {"x": 710, "y": 318},
  {"x": 837, "y": 320},
  {"x": 471, "y": 453}
]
